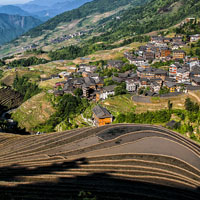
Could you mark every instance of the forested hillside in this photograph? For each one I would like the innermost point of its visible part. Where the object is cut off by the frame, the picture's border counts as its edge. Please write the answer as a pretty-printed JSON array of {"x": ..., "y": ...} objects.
[
  {"x": 103, "y": 21},
  {"x": 155, "y": 15},
  {"x": 151, "y": 15},
  {"x": 96, "y": 6},
  {"x": 13, "y": 10},
  {"x": 12, "y": 26}
]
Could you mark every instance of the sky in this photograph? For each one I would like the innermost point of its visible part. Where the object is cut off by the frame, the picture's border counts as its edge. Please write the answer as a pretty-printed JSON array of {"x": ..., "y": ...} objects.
[{"x": 7, "y": 2}]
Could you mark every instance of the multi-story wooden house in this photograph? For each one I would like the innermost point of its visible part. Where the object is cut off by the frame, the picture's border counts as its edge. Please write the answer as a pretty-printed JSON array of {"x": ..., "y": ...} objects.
[
  {"x": 173, "y": 70},
  {"x": 179, "y": 54},
  {"x": 165, "y": 51},
  {"x": 102, "y": 116},
  {"x": 182, "y": 76}
]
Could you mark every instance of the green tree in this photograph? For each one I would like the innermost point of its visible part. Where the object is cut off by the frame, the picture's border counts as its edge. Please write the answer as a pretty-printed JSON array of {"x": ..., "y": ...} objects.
[
  {"x": 191, "y": 106},
  {"x": 119, "y": 90},
  {"x": 78, "y": 92},
  {"x": 121, "y": 118},
  {"x": 197, "y": 52},
  {"x": 170, "y": 105},
  {"x": 25, "y": 87},
  {"x": 164, "y": 90}
]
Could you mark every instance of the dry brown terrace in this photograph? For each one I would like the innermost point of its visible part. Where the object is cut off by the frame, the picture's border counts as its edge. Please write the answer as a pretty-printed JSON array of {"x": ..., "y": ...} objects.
[{"x": 121, "y": 161}]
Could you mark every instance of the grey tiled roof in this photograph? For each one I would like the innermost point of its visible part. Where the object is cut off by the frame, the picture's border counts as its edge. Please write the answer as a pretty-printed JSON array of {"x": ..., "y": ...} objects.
[
  {"x": 101, "y": 112},
  {"x": 109, "y": 88}
]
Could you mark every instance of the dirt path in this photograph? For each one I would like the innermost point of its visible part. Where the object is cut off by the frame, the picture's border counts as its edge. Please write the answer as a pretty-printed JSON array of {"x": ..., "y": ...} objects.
[{"x": 194, "y": 95}]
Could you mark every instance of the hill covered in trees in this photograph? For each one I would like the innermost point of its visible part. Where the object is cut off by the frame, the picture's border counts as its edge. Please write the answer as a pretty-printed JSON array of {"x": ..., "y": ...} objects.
[
  {"x": 96, "y": 6},
  {"x": 103, "y": 21},
  {"x": 12, "y": 26}
]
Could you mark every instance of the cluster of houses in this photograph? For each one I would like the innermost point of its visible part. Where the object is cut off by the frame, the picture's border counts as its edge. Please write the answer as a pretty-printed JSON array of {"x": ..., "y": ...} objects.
[
  {"x": 30, "y": 47},
  {"x": 67, "y": 37},
  {"x": 182, "y": 75}
]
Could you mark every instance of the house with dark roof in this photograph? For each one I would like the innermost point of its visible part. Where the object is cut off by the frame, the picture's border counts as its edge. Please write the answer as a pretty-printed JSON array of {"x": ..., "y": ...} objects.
[
  {"x": 105, "y": 92},
  {"x": 165, "y": 51},
  {"x": 177, "y": 39},
  {"x": 167, "y": 40},
  {"x": 192, "y": 88},
  {"x": 131, "y": 85},
  {"x": 117, "y": 64},
  {"x": 149, "y": 55},
  {"x": 144, "y": 83},
  {"x": 196, "y": 81},
  {"x": 182, "y": 75},
  {"x": 179, "y": 54},
  {"x": 195, "y": 72},
  {"x": 157, "y": 39},
  {"x": 139, "y": 61},
  {"x": 155, "y": 87},
  {"x": 151, "y": 73},
  {"x": 102, "y": 116},
  {"x": 117, "y": 79},
  {"x": 172, "y": 86}
]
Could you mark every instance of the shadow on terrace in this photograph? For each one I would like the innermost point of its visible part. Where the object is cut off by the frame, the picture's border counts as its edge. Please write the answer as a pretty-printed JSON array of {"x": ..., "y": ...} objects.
[{"x": 18, "y": 183}]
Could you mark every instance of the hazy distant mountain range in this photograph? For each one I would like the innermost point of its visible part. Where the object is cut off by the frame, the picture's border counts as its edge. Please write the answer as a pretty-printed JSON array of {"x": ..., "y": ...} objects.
[
  {"x": 51, "y": 8},
  {"x": 13, "y": 10},
  {"x": 12, "y": 26},
  {"x": 105, "y": 21},
  {"x": 15, "y": 20},
  {"x": 42, "y": 9}
]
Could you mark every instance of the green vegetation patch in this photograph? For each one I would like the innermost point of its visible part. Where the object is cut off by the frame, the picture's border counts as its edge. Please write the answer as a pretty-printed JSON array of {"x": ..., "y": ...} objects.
[
  {"x": 119, "y": 104},
  {"x": 67, "y": 108},
  {"x": 33, "y": 112}
]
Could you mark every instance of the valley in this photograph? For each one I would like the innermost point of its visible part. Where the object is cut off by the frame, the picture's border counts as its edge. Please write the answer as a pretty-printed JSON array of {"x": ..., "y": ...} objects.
[{"x": 101, "y": 101}]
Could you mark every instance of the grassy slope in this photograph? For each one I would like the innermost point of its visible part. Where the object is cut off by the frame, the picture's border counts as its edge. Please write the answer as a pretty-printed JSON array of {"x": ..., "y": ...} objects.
[
  {"x": 65, "y": 25},
  {"x": 124, "y": 103},
  {"x": 155, "y": 15},
  {"x": 33, "y": 112},
  {"x": 119, "y": 104}
]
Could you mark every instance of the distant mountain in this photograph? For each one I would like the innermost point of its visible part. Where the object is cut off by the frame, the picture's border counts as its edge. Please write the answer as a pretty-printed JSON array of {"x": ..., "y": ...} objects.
[
  {"x": 12, "y": 26},
  {"x": 103, "y": 21},
  {"x": 32, "y": 8},
  {"x": 13, "y": 10},
  {"x": 61, "y": 7},
  {"x": 46, "y": 2},
  {"x": 51, "y": 8},
  {"x": 17, "y": 10},
  {"x": 91, "y": 8}
]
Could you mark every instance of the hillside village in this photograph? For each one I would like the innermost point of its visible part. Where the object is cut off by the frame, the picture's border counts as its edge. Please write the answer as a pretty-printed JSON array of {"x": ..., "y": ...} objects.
[
  {"x": 159, "y": 68},
  {"x": 180, "y": 73},
  {"x": 101, "y": 102}
]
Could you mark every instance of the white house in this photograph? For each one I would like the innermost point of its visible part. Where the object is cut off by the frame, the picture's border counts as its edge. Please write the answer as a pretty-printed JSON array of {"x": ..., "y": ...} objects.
[
  {"x": 107, "y": 91},
  {"x": 182, "y": 76},
  {"x": 131, "y": 85},
  {"x": 194, "y": 38}
]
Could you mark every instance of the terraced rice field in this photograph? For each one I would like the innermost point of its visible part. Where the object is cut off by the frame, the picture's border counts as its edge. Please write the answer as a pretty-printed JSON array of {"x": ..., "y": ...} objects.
[
  {"x": 10, "y": 98},
  {"x": 121, "y": 161}
]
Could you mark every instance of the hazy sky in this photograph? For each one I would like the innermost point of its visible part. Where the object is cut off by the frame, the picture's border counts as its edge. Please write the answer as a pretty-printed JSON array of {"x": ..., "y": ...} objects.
[{"x": 6, "y": 2}]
